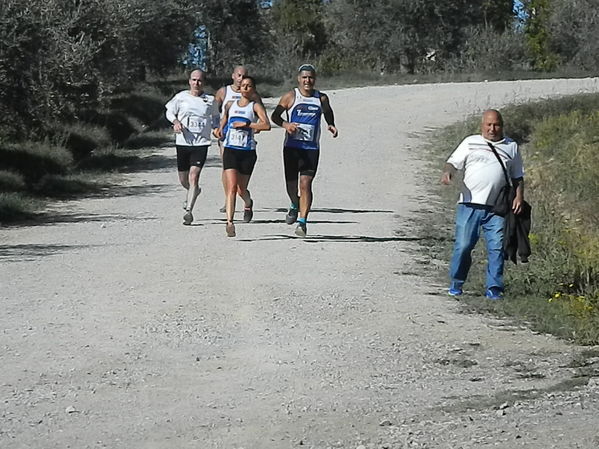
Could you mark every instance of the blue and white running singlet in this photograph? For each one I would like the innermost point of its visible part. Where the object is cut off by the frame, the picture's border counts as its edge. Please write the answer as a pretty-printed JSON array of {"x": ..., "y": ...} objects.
[
  {"x": 306, "y": 112},
  {"x": 240, "y": 138}
]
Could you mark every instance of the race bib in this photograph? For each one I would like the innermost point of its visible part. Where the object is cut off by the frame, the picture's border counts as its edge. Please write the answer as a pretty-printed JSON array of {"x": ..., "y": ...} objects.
[
  {"x": 238, "y": 137},
  {"x": 195, "y": 125},
  {"x": 304, "y": 132}
]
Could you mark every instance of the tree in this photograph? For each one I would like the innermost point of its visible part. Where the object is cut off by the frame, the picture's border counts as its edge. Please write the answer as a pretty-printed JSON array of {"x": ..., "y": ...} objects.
[
  {"x": 398, "y": 34},
  {"x": 301, "y": 22},
  {"x": 574, "y": 27},
  {"x": 537, "y": 31},
  {"x": 237, "y": 32}
]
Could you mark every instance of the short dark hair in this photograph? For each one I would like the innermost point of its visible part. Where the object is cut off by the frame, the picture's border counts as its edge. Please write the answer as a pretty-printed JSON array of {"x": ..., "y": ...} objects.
[
  {"x": 248, "y": 77},
  {"x": 306, "y": 68}
]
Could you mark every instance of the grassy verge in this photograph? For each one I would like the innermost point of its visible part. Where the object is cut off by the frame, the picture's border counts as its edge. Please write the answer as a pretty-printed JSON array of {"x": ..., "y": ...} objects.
[{"x": 558, "y": 290}]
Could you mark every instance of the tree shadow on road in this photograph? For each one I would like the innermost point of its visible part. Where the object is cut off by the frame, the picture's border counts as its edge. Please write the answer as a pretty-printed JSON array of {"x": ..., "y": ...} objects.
[{"x": 27, "y": 252}]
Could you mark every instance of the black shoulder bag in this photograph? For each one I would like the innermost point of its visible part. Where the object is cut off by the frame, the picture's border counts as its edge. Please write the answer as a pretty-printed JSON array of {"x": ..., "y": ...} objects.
[{"x": 503, "y": 202}]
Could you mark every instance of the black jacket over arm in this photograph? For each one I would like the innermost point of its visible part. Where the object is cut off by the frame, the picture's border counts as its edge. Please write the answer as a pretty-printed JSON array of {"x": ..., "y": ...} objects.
[{"x": 515, "y": 234}]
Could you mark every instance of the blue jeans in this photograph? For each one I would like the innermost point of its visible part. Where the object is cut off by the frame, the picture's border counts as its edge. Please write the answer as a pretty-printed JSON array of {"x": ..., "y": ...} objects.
[{"x": 470, "y": 218}]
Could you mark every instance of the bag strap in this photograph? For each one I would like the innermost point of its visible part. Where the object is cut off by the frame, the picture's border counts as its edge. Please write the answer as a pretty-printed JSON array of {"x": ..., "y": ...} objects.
[{"x": 507, "y": 178}]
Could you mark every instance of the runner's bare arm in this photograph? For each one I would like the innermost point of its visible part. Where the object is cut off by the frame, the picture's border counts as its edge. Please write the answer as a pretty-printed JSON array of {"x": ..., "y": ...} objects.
[
  {"x": 262, "y": 124},
  {"x": 220, "y": 97},
  {"x": 223, "y": 121}
]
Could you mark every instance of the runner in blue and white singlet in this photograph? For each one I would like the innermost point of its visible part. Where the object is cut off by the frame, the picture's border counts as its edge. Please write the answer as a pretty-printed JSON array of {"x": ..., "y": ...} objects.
[
  {"x": 226, "y": 95},
  {"x": 240, "y": 138},
  {"x": 306, "y": 112},
  {"x": 241, "y": 119},
  {"x": 303, "y": 107}
]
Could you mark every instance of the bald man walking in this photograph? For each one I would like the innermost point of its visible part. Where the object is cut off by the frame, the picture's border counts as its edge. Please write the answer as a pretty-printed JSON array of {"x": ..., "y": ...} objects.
[{"x": 478, "y": 156}]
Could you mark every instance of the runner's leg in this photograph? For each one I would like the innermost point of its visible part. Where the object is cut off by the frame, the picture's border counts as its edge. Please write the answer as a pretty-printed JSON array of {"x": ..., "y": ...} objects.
[
  {"x": 291, "y": 167},
  {"x": 230, "y": 176},
  {"x": 194, "y": 189},
  {"x": 222, "y": 176},
  {"x": 305, "y": 197}
]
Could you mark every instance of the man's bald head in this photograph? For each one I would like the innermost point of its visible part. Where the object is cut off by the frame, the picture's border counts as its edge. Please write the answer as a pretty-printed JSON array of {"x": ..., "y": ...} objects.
[
  {"x": 491, "y": 125},
  {"x": 238, "y": 73}
]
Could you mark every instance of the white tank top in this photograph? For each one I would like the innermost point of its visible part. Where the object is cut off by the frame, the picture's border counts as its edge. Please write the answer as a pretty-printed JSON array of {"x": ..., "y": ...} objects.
[{"x": 230, "y": 95}]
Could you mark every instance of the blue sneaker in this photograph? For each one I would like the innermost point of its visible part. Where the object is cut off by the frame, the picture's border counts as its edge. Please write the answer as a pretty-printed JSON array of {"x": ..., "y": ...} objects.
[
  {"x": 455, "y": 291},
  {"x": 494, "y": 294}
]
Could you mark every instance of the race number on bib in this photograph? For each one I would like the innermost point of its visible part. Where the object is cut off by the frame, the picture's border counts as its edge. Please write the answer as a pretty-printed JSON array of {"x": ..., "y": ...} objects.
[
  {"x": 195, "y": 125},
  {"x": 238, "y": 137},
  {"x": 304, "y": 132}
]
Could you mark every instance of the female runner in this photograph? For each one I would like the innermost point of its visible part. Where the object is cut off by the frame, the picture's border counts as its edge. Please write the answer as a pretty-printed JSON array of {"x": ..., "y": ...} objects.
[{"x": 240, "y": 120}]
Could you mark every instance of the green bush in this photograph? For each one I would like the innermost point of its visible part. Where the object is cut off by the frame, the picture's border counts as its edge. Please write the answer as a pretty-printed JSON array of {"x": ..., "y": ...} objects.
[
  {"x": 15, "y": 206},
  {"x": 82, "y": 138},
  {"x": 118, "y": 125},
  {"x": 35, "y": 159},
  {"x": 146, "y": 108},
  {"x": 59, "y": 186},
  {"x": 11, "y": 181},
  {"x": 490, "y": 51}
]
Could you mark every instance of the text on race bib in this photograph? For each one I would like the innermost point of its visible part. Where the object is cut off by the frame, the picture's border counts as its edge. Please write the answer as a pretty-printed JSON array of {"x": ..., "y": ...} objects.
[
  {"x": 304, "y": 132},
  {"x": 238, "y": 137}
]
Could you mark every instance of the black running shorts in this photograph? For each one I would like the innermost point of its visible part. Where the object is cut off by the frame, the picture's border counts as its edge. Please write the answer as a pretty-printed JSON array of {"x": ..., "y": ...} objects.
[
  {"x": 188, "y": 156},
  {"x": 241, "y": 160},
  {"x": 302, "y": 162}
]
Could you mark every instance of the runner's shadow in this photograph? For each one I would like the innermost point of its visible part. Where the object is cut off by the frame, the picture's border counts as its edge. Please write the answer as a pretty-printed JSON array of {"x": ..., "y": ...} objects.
[
  {"x": 338, "y": 211},
  {"x": 311, "y": 222},
  {"x": 334, "y": 238}
]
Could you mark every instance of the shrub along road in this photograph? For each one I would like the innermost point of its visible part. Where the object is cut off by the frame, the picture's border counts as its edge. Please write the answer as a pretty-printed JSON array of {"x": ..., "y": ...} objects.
[{"x": 121, "y": 328}]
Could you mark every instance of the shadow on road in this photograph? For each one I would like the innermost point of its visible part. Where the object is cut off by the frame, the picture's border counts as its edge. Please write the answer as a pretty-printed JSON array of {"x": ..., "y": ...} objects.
[
  {"x": 25, "y": 252},
  {"x": 335, "y": 238}
]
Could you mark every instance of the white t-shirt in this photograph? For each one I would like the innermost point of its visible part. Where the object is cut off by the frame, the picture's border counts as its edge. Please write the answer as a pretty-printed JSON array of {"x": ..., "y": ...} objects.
[
  {"x": 198, "y": 115},
  {"x": 483, "y": 175}
]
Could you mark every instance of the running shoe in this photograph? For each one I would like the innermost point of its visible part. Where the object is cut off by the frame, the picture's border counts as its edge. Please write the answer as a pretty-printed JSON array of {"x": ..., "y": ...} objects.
[
  {"x": 223, "y": 210},
  {"x": 291, "y": 216},
  {"x": 455, "y": 291},
  {"x": 187, "y": 218},
  {"x": 230, "y": 230},
  {"x": 301, "y": 230},
  {"x": 248, "y": 212},
  {"x": 494, "y": 294}
]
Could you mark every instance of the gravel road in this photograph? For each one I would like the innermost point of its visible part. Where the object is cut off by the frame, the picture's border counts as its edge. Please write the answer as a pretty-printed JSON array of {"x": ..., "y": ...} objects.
[{"x": 121, "y": 328}]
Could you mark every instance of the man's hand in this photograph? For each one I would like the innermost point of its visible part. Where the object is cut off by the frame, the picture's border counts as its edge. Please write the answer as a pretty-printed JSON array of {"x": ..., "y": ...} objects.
[
  {"x": 177, "y": 126},
  {"x": 333, "y": 130},
  {"x": 518, "y": 183},
  {"x": 446, "y": 178},
  {"x": 290, "y": 127},
  {"x": 517, "y": 205}
]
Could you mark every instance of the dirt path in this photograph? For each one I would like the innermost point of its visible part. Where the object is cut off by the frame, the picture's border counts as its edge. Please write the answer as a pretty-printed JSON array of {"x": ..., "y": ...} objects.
[{"x": 121, "y": 328}]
